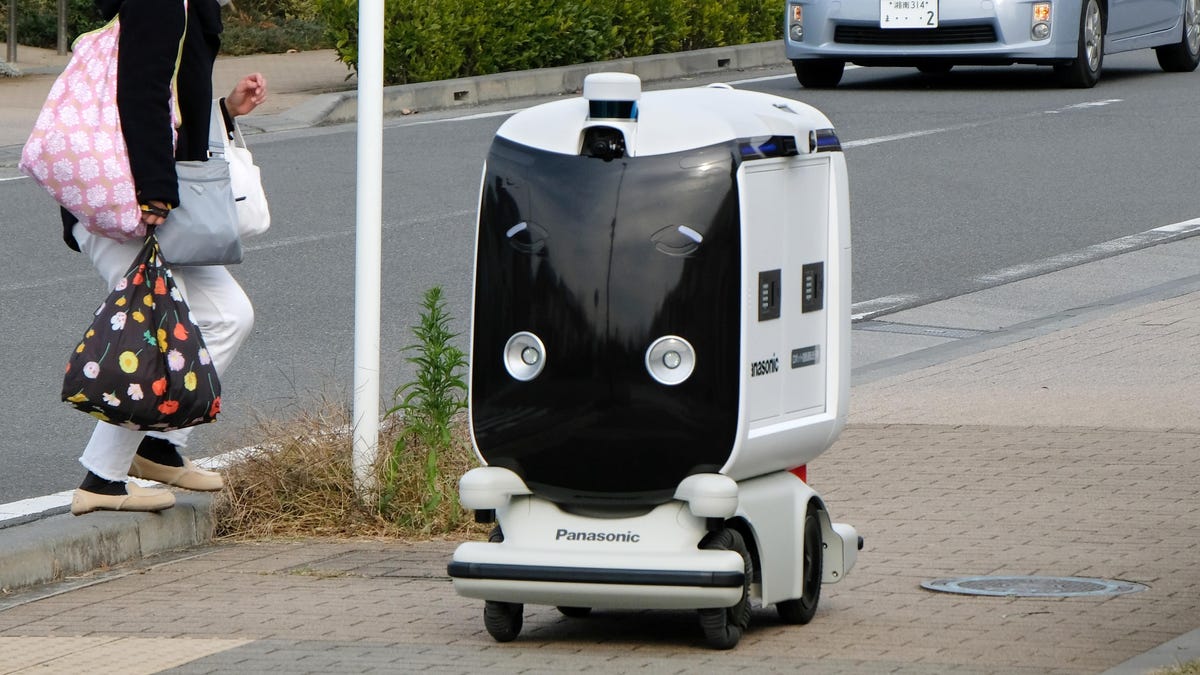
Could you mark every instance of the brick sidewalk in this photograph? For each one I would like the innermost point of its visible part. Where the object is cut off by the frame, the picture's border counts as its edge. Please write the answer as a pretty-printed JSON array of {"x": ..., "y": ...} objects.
[{"x": 931, "y": 500}]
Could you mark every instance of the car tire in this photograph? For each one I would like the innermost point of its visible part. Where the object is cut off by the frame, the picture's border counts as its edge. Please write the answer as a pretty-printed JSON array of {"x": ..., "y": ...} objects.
[
  {"x": 819, "y": 73},
  {"x": 1084, "y": 71},
  {"x": 1183, "y": 56}
]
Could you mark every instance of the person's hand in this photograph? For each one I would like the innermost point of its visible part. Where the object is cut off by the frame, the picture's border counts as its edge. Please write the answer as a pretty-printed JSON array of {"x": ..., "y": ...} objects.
[
  {"x": 247, "y": 95},
  {"x": 155, "y": 213}
]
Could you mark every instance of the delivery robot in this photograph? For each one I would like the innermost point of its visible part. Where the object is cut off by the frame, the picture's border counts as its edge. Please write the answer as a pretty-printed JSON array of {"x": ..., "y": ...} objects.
[{"x": 659, "y": 347}]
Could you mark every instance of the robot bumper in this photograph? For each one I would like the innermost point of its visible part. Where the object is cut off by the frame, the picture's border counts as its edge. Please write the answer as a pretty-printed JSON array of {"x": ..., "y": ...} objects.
[{"x": 540, "y": 553}]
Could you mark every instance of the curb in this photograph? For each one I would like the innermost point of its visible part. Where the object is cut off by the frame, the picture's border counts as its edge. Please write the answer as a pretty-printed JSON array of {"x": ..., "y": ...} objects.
[
  {"x": 60, "y": 546},
  {"x": 342, "y": 107}
]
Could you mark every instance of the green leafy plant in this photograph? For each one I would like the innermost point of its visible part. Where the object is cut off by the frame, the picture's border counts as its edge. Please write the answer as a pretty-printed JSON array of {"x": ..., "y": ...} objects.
[{"x": 428, "y": 404}]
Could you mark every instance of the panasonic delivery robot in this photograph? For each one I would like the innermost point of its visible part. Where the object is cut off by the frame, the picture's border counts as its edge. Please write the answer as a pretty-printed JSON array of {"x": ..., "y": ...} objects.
[{"x": 660, "y": 345}]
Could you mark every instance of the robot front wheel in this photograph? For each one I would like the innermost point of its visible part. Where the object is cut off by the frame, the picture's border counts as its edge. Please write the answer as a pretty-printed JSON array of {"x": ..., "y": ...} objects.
[
  {"x": 723, "y": 626},
  {"x": 503, "y": 619}
]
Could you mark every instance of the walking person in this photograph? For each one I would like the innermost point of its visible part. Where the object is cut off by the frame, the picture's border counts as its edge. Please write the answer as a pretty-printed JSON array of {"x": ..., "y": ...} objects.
[{"x": 149, "y": 46}]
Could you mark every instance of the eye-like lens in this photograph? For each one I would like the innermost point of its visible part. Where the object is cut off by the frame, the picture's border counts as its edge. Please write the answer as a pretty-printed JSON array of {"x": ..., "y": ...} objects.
[
  {"x": 670, "y": 360},
  {"x": 524, "y": 356}
]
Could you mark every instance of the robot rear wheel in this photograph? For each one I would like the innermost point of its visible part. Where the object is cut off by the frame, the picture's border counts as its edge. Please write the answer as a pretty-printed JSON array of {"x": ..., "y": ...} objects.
[{"x": 802, "y": 609}]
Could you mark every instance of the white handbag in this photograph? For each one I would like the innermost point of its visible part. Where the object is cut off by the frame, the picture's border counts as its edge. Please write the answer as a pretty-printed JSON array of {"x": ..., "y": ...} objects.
[{"x": 254, "y": 214}]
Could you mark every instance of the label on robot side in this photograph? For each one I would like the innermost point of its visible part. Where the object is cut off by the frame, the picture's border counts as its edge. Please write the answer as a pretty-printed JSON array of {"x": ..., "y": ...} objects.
[
  {"x": 564, "y": 534},
  {"x": 765, "y": 367}
]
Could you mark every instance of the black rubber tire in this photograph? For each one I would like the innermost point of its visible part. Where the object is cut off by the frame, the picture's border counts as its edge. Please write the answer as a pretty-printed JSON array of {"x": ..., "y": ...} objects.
[
  {"x": 1183, "y": 56},
  {"x": 723, "y": 626},
  {"x": 820, "y": 73},
  {"x": 503, "y": 619},
  {"x": 802, "y": 609},
  {"x": 575, "y": 612},
  {"x": 935, "y": 68},
  {"x": 1084, "y": 71}
]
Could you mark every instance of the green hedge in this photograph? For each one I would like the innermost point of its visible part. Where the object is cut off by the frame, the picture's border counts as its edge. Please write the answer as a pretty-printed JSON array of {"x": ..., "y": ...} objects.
[
  {"x": 37, "y": 21},
  {"x": 251, "y": 26},
  {"x": 441, "y": 39}
]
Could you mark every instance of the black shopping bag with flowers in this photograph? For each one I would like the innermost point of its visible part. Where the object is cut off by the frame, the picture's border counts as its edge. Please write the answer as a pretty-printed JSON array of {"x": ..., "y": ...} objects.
[{"x": 142, "y": 364}]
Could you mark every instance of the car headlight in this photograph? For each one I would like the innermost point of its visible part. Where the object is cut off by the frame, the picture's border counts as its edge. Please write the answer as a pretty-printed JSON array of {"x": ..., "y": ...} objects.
[
  {"x": 1040, "y": 28},
  {"x": 796, "y": 23}
]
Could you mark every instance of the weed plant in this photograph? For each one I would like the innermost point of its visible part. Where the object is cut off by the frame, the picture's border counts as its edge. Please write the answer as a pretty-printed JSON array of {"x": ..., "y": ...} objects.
[
  {"x": 427, "y": 405},
  {"x": 299, "y": 480},
  {"x": 1185, "y": 668}
]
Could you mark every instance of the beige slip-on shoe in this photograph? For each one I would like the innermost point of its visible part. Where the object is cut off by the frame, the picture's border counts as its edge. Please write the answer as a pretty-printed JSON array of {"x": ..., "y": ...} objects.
[
  {"x": 189, "y": 476},
  {"x": 137, "y": 498}
]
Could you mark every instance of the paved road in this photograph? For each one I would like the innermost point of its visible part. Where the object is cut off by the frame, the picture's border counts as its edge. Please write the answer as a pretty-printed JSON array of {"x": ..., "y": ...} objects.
[{"x": 953, "y": 179}]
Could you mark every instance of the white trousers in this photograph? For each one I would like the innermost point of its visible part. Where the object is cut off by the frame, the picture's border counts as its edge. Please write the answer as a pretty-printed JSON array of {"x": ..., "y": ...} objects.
[{"x": 223, "y": 314}]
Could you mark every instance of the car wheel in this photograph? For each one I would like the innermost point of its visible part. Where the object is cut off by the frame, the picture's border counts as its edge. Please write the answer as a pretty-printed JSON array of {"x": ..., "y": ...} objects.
[
  {"x": 723, "y": 626},
  {"x": 1183, "y": 56},
  {"x": 819, "y": 74},
  {"x": 935, "y": 68},
  {"x": 802, "y": 609},
  {"x": 1084, "y": 71}
]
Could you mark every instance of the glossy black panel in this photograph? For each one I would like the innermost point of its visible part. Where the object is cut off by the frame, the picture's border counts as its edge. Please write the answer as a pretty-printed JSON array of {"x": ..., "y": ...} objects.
[{"x": 589, "y": 276}]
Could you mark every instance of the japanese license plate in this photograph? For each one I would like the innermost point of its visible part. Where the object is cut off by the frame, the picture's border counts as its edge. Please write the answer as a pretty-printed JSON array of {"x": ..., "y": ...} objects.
[{"x": 908, "y": 13}]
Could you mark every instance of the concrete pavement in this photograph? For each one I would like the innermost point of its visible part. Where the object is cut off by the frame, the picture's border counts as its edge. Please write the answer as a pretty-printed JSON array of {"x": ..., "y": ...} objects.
[{"x": 991, "y": 434}]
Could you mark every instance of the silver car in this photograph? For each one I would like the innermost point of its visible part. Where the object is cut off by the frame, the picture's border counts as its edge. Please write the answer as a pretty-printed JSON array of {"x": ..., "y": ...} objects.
[{"x": 821, "y": 36}]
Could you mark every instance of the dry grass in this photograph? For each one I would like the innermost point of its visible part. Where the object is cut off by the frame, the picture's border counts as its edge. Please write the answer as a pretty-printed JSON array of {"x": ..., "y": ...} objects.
[
  {"x": 1189, "y": 668},
  {"x": 301, "y": 484}
]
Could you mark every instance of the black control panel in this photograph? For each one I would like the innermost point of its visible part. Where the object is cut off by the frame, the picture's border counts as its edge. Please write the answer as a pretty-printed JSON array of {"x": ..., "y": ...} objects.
[{"x": 768, "y": 294}]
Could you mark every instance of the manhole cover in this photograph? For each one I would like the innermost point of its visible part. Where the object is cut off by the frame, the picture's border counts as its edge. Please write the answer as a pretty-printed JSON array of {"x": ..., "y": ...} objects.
[{"x": 1033, "y": 587}]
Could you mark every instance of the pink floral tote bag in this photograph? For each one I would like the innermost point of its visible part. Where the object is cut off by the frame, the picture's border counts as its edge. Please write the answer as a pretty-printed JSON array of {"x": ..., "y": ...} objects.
[{"x": 77, "y": 151}]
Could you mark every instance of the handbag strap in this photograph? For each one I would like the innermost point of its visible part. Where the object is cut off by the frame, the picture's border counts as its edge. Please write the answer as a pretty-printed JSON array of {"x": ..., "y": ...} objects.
[
  {"x": 176, "y": 114},
  {"x": 218, "y": 138}
]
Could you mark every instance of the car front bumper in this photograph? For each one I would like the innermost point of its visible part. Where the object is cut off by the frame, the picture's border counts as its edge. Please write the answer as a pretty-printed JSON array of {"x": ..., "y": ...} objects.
[{"x": 972, "y": 32}]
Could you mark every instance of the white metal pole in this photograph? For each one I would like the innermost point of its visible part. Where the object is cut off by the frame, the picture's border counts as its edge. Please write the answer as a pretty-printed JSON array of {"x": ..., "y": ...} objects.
[{"x": 369, "y": 227}]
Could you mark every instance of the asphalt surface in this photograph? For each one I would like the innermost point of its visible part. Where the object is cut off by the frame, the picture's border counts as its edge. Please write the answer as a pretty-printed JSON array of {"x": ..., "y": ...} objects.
[{"x": 989, "y": 435}]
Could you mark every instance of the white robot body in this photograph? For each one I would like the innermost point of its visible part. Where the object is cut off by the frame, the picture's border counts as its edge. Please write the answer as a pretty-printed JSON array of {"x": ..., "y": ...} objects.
[{"x": 660, "y": 346}]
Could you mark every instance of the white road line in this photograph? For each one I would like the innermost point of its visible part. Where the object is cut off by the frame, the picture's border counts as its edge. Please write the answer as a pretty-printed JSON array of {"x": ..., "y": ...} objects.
[
  {"x": 70, "y": 279},
  {"x": 1088, "y": 105},
  {"x": 866, "y": 309},
  {"x": 1094, "y": 252},
  {"x": 846, "y": 145},
  {"x": 23, "y": 509}
]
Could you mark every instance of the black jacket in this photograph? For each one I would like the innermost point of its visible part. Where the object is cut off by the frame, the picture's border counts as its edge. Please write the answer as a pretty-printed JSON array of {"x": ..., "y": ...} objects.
[{"x": 148, "y": 47}]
